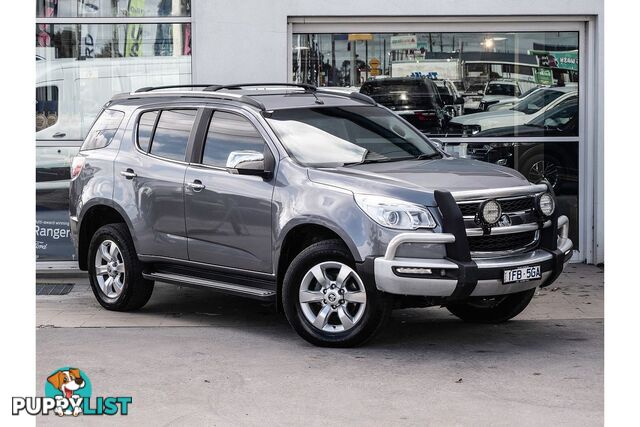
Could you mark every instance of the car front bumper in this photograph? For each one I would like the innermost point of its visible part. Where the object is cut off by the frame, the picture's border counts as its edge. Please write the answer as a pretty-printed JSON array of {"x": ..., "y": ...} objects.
[{"x": 456, "y": 278}]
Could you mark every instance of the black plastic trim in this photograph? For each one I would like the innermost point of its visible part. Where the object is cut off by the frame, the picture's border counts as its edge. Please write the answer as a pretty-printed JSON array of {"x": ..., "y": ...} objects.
[{"x": 457, "y": 252}]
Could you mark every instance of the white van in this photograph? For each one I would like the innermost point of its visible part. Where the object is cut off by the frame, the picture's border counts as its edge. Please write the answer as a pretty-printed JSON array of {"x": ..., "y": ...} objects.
[{"x": 70, "y": 92}]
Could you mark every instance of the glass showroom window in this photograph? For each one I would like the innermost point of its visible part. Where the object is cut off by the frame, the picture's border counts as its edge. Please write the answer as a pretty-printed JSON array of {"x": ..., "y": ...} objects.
[
  {"x": 79, "y": 67},
  {"x": 455, "y": 87},
  {"x": 111, "y": 8}
]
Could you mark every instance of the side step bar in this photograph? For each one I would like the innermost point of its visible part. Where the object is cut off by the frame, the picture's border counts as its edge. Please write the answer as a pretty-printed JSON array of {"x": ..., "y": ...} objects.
[{"x": 196, "y": 282}]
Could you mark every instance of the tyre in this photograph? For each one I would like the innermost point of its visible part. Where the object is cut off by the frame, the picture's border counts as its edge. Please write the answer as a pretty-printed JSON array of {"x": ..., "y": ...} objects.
[
  {"x": 115, "y": 272},
  {"x": 492, "y": 309},
  {"x": 327, "y": 302}
]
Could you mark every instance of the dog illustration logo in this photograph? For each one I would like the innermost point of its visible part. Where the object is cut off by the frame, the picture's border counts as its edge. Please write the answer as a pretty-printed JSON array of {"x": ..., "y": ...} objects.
[{"x": 68, "y": 384}]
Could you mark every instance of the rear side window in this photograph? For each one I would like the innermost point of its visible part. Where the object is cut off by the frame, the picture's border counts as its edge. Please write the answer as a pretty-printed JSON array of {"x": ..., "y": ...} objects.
[
  {"x": 103, "y": 130},
  {"x": 145, "y": 129},
  {"x": 229, "y": 132},
  {"x": 172, "y": 134}
]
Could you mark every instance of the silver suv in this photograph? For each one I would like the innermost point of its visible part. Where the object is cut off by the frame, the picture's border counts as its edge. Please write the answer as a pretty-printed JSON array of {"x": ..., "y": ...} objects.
[{"x": 325, "y": 203}]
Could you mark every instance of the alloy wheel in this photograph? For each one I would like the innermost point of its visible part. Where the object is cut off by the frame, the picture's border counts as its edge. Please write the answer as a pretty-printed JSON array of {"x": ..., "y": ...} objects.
[
  {"x": 544, "y": 170},
  {"x": 110, "y": 269},
  {"x": 332, "y": 297}
]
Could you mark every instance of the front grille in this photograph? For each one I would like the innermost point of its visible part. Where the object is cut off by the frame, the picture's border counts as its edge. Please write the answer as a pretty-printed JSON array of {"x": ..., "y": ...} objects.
[
  {"x": 501, "y": 242},
  {"x": 519, "y": 204}
]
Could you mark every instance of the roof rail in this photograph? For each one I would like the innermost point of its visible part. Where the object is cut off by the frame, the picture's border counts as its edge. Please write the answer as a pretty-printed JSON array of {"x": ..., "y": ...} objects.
[
  {"x": 152, "y": 88},
  {"x": 215, "y": 88},
  {"x": 195, "y": 94}
]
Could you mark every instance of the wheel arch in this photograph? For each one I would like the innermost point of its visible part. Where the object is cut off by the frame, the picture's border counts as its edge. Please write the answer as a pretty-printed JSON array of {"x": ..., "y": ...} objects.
[
  {"x": 301, "y": 234},
  {"x": 94, "y": 216}
]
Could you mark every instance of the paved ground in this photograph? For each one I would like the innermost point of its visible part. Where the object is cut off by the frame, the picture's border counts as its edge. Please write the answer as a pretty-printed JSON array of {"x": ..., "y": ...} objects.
[{"x": 193, "y": 357}]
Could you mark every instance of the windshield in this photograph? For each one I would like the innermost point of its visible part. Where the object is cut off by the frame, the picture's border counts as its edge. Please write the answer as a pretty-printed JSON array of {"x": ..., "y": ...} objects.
[
  {"x": 335, "y": 136},
  {"x": 538, "y": 99},
  {"x": 501, "y": 89}
]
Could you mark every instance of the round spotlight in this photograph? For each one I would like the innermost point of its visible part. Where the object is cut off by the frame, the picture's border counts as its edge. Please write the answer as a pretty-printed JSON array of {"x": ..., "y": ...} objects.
[
  {"x": 546, "y": 204},
  {"x": 490, "y": 212}
]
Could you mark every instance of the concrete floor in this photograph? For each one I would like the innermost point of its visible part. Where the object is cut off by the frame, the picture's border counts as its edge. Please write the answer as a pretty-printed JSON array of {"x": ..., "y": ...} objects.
[{"x": 193, "y": 357}]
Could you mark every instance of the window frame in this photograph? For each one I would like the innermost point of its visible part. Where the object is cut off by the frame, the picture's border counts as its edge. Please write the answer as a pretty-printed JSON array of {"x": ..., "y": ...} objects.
[
  {"x": 203, "y": 129},
  {"x": 200, "y": 157},
  {"x": 192, "y": 134},
  {"x": 588, "y": 114}
]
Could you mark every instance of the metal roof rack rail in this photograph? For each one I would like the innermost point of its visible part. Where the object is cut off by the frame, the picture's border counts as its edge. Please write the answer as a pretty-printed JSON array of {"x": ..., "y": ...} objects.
[
  {"x": 152, "y": 88},
  {"x": 215, "y": 88},
  {"x": 194, "y": 94}
]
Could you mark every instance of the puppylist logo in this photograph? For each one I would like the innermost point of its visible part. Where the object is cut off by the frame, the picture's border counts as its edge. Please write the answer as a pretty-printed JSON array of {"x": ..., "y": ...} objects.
[{"x": 67, "y": 392}]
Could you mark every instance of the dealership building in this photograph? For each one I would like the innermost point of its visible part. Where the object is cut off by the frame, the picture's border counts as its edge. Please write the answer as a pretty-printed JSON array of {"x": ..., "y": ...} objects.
[{"x": 536, "y": 66}]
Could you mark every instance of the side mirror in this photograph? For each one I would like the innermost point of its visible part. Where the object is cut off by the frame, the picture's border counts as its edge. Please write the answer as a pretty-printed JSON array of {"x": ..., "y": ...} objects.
[
  {"x": 250, "y": 162},
  {"x": 481, "y": 92}
]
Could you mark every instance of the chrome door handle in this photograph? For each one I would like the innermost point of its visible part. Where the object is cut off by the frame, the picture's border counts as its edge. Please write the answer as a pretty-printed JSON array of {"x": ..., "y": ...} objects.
[
  {"x": 129, "y": 173},
  {"x": 196, "y": 185}
]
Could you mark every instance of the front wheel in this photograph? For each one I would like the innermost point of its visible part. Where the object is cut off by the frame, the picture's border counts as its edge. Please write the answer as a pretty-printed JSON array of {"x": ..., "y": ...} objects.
[
  {"x": 327, "y": 302},
  {"x": 492, "y": 309}
]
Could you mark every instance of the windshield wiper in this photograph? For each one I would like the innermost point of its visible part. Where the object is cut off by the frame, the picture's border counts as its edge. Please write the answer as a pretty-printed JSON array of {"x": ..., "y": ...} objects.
[
  {"x": 428, "y": 156},
  {"x": 378, "y": 160}
]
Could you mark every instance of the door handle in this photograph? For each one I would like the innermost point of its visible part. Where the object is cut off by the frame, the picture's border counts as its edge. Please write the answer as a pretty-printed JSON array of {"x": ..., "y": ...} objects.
[
  {"x": 196, "y": 185},
  {"x": 129, "y": 173}
]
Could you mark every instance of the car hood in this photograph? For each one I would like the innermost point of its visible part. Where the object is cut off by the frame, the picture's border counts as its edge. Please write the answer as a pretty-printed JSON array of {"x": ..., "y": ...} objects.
[
  {"x": 416, "y": 180},
  {"x": 493, "y": 119}
]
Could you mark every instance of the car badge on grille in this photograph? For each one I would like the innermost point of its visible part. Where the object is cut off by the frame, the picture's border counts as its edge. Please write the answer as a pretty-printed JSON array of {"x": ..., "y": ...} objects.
[{"x": 504, "y": 221}]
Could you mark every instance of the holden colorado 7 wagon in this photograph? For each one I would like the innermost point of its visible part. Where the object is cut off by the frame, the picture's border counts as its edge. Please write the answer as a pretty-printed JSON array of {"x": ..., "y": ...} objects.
[{"x": 325, "y": 203}]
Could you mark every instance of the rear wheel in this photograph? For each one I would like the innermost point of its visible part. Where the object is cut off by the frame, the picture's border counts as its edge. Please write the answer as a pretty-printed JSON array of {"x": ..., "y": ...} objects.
[
  {"x": 492, "y": 309},
  {"x": 327, "y": 302},
  {"x": 115, "y": 272}
]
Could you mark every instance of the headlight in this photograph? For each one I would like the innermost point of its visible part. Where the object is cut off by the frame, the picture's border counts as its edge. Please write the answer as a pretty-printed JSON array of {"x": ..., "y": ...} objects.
[
  {"x": 394, "y": 213},
  {"x": 490, "y": 212},
  {"x": 470, "y": 130},
  {"x": 546, "y": 204}
]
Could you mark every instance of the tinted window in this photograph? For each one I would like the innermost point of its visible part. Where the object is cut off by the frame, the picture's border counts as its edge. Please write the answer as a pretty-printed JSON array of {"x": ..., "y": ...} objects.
[
  {"x": 145, "y": 129},
  {"x": 46, "y": 106},
  {"x": 536, "y": 100},
  {"x": 172, "y": 134},
  {"x": 103, "y": 130},
  {"x": 229, "y": 132}
]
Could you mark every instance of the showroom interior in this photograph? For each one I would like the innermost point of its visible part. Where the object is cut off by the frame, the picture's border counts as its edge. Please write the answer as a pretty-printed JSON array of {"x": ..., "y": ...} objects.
[{"x": 523, "y": 80}]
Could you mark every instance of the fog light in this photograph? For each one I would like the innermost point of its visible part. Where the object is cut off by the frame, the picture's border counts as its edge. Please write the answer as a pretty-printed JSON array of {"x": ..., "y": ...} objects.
[
  {"x": 546, "y": 204},
  {"x": 413, "y": 270},
  {"x": 490, "y": 212}
]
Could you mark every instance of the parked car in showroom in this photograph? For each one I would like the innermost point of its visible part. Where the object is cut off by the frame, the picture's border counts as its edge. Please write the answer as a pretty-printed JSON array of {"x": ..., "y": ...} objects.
[
  {"x": 506, "y": 103},
  {"x": 452, "y": 100},
  {"x": 472, "y": 96},
  {"x": 503, "y": 90},
  {"x": 327, "y": 204},
  {"x": 415, "y": 99},
  {"x": 557, "y": 163},
  {"x": 525, "y": 110}
]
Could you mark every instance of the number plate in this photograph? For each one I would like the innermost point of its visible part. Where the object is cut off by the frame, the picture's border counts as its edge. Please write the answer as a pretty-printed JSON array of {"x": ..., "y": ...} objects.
[{"x": 522, "y": 274}]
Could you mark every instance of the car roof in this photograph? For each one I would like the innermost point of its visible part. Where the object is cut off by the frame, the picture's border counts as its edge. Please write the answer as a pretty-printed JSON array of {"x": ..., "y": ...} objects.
[{"x": 265, "y": 98}]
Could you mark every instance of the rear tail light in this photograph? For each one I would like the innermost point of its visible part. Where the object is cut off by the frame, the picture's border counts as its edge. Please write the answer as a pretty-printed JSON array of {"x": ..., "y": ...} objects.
[
  {"x": 423, "y": 117},
  {"x": 76, "y": 166}
]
